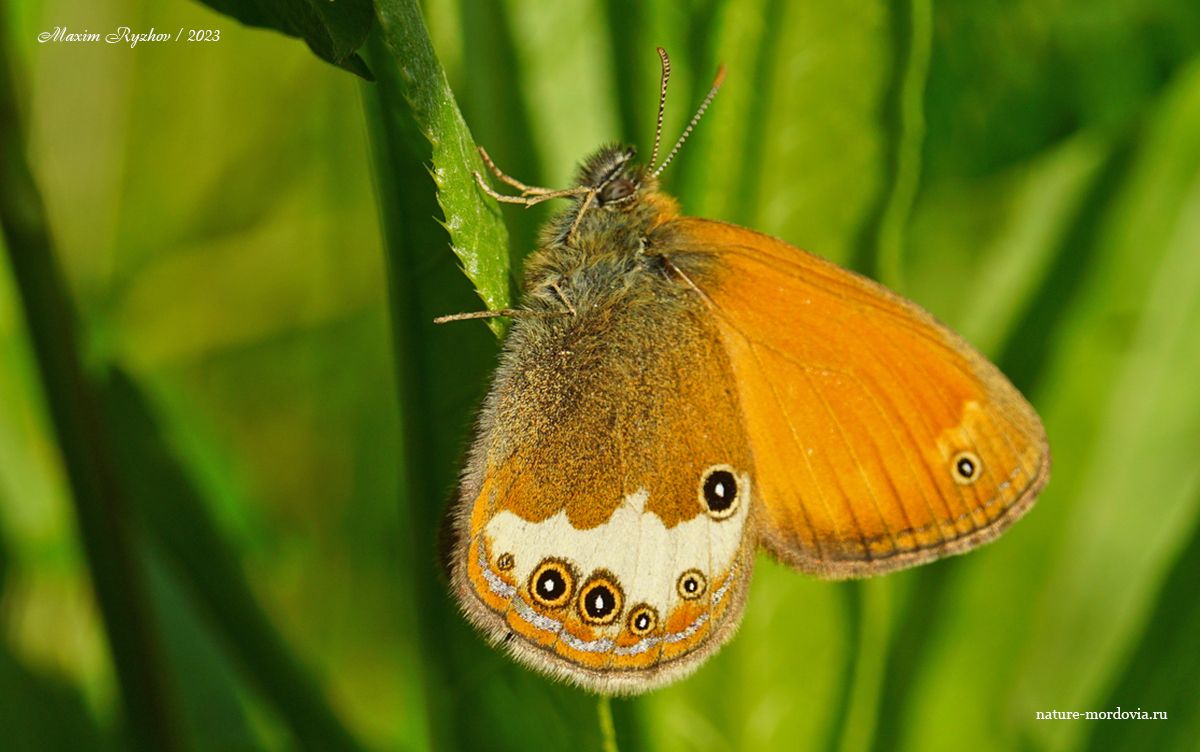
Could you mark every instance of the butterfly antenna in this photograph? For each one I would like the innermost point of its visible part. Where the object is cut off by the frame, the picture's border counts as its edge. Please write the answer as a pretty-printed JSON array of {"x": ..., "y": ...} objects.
[
  {"x": 712, "y": 92},
  {"x": 662, "y": 101}
]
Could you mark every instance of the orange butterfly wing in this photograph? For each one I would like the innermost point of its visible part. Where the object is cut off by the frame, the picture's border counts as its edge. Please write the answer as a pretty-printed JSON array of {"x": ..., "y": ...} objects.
[
  {"x": 592, "y": 458},
  {"x": 881, "y": 439}
]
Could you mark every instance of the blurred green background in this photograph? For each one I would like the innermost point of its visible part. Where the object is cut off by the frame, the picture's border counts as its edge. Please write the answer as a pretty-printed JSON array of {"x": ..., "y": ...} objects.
[{"x": 248, "y": 239}]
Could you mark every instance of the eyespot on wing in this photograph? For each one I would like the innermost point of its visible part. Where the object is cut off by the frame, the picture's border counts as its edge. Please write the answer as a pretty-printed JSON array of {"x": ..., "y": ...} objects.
[{"x": 861, "y": 409}]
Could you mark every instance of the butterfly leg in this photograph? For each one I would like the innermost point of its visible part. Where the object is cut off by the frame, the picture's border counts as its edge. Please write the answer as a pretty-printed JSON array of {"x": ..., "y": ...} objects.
[
  {"x": 526, "y": 190},
  {"x": 688, "y": 280},
  {"x": 563, "y": 297},
  {"x": 531, "y": 199},
  {"x": 583, "y": 207},
  {"x": 502, "y": 313}
]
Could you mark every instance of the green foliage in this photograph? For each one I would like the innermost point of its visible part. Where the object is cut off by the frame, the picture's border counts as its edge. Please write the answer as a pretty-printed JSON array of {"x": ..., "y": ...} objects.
[
  {"x": 333, "y": 30},
  {"x": 100, "y": 504},
  {"x": 251, "y": 281},
  {"x": 181, "y": 532},
  {"x": 477, "y": 234}
]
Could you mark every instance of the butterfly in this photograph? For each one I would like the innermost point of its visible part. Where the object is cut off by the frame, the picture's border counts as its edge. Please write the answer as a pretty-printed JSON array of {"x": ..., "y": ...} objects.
[{"x": 676, "y": 393}]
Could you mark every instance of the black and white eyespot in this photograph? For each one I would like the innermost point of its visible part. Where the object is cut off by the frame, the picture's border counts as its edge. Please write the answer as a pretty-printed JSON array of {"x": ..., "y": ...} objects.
[
  {"x": 691, "y": 584},
  {"x": 552, "y": 583},
  {"x": 719, "y": 492},
  {"x": 600, "y": 599},
  {"x": 966, "y": 468},
  {"x": 642, "y": 620},
  {"x": 505, "y": 562}
]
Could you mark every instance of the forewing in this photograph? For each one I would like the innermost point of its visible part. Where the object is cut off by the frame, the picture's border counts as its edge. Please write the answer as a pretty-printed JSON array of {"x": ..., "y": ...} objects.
[{"x": 881, "y": 438}]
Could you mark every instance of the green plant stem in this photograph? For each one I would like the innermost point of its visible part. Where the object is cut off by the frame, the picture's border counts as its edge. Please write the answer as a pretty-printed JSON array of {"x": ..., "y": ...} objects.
[
  {"x": 881, "y": 252},
  {"x": 627, "y": 22},
  {"x": 912, "y": 638},
  {"x": 387, "y": 155},
  {"x": 71, "y": 397},
  {"x": 414, "y": 252},
  {"x": 852, "y": 604},
  {"x": 881, "y": 256},
  {"x": 747, "y": 203},
  {"x": 608, "y": 730},
  {"x": 909, "y": 141},
  {"x": 689, "y": 174}
]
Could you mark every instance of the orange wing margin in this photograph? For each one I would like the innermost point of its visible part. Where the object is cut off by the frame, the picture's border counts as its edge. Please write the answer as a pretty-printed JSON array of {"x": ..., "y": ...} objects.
[{"x": 864, "y": 413}]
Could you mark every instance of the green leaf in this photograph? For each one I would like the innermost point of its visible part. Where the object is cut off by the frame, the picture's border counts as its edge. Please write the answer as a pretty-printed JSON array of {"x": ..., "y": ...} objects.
[
  {"x": 1117, "y": 549},
  {"x": 477, "y": 232},
  {"x": 83, "y": 438},
  {"x": 214, "y": 713},
  {"x": 333, "y": 29},
  {"x": 884, "y": 234},
  {"x": 41, "y": 712},
  {"x": 174, "y": 516},
  {"x": 1104, "y": 343},
  {"x": 1163, "y": 672}
]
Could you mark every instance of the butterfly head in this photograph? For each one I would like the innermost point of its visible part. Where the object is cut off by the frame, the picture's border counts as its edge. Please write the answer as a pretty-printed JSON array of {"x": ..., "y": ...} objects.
[
  {"x": 611, "y": 174},
  {"x": 614, "y": 177},
  {"x": 610, "y": 180},
  {"x": 616, "y": 202}
]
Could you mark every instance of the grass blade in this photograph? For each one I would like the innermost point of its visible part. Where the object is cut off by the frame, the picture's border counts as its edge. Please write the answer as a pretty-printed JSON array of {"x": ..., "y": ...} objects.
[
  {"x": 40, "y": 711},
  {"x": 852, "y": 604},
  {"x": 1116, "y": 550},
  {"x": 628, "y": 44},
  {"x": 477, "y": 232},
  {"x": 749, "y": 191},
  {"x": 1163, "y": 674},
  {"x": 911, "y": 640},
  {"x": 407, "y": 210},
  {"x": 70, "y": 393},
  {"x": 175, "y": 518},
  {"x": 881, "y": 254}
]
